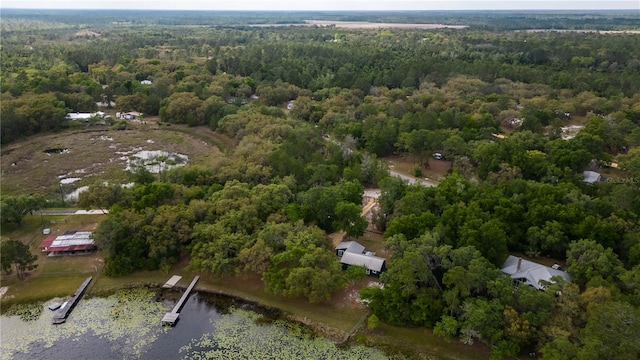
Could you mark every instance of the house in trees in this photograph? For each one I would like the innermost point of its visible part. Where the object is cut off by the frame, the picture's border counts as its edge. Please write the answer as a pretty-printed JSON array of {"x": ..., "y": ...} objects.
[
  {"x": 349, "y": 246},
  {"x": 70, "y": 243},
  {"x": 131, "y": 115},
  {"x": 591, "y": 177},
  {"x": 532, "y": 273},
  {"x": 351, "y": 253}
]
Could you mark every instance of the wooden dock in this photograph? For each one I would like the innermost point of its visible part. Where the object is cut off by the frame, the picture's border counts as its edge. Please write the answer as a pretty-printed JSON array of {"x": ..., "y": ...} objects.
[
  {"x": 172, "y": 282},
  {"x": 171, "y": 318},
  {"x": 67, "y": 307}
]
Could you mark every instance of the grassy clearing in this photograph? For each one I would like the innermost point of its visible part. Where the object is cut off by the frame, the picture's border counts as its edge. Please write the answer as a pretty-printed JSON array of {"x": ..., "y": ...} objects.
[
  {"x": 39, "y": 288},
  {"x": 30, "y": 231},
  {"x": 420, "y": 343},
  {"x": 436, "y": 171},
  {"x": 252, "y": 289},
  {"x": 222, "y": 142},
  {"x": 374, "y": 242}
]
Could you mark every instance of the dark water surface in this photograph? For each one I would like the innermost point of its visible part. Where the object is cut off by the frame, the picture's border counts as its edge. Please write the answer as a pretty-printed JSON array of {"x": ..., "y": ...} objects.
[{"x": 126, "y": 325}]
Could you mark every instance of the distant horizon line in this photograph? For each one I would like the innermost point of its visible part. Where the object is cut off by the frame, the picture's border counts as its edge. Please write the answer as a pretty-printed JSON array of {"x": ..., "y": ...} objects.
[{"x": 318, "y": 10}]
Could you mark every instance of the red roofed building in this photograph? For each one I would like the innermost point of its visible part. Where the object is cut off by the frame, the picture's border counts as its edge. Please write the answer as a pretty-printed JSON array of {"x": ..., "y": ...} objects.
[
  {"x": 44, "y": 246},
  {"x": 70, "y": 243}
]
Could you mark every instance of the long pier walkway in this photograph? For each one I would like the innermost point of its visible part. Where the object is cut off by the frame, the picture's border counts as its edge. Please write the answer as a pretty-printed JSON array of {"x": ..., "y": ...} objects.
[
  {"x": 67, "y": 307},
  {"x": 171, "y": 318}
]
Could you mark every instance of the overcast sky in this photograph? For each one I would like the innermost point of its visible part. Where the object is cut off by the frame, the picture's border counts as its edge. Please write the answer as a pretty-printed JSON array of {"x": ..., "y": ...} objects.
[{"x": 322, "y": 5}]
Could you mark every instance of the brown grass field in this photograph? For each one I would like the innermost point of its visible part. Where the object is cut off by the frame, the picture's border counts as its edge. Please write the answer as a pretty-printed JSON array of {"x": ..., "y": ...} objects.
[
  {"x": 436, "y": 171},
  {"x": 376, "y": 25},
  {"x": 99, "y": 154}
]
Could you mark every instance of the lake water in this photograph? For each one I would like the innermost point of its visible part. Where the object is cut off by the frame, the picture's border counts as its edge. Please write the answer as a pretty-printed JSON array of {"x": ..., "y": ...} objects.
[{"x": 126, "y": 325}]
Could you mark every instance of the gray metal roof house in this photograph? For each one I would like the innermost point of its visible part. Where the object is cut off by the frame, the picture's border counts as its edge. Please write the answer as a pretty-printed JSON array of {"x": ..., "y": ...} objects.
[
  {"x": 349, "y": 246},
  {"x": 531, "y": 273},
  {"x": 374, "y": 265},
  {"x": 351, "y": 253}
]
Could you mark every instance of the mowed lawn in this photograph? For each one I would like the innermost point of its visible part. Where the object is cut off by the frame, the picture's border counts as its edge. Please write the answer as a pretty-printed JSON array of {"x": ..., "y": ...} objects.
[{"x": 54, "y": 276}]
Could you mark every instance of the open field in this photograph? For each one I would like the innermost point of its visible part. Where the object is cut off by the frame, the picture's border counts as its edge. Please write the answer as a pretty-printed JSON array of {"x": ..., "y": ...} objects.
[
  {"x": 423, "y": 343},
  {"x": 436, "y": 171},
  {"x": 95, "y": 154},
  {"x": 375, "y": 25},
  {"x": 366, "y": 25}
]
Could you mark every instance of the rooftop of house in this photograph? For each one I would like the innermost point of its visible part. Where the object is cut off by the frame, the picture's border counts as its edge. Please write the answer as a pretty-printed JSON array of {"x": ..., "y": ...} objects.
[
  {"x": 69, "y": 241},
  {"x": 591, "y": 176},
  {"x": 531, "y": 272},
  {"x": 351, "y": 246},
  {"x": 371, "y": 262}
]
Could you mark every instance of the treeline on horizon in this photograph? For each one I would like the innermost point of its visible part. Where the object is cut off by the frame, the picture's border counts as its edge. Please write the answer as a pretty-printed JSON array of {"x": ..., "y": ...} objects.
[
  {"x": 79, "y": 69},
  {"x": 477, "y": 19},
  {"x": 265, "y": 207}
]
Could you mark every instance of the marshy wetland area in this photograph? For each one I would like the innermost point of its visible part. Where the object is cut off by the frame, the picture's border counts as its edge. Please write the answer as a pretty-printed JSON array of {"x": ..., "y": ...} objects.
[{"x": 90, "y": 155}]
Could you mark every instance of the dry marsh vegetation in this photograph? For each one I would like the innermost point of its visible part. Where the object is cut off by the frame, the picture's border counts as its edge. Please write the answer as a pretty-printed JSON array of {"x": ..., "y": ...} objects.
[{"x": 99, "y": 154}]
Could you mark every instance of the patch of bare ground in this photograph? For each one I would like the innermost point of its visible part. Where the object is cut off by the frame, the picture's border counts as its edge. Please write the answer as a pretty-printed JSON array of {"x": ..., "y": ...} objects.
[
  {"x": 576, "y": 120},
  {"x": 95, "y": 154},
  {"x": 435, "y": 171},
  {"x": 87, "y": 34},
  {"x": 349, "y": 297}
]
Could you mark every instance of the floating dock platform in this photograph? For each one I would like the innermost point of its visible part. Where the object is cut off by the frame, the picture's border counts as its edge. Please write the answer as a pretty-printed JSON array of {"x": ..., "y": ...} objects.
[
  {"x": 171, "y": 318},
  {"x": 67, "y": 307},
  {"x": 172, "y": 282}
]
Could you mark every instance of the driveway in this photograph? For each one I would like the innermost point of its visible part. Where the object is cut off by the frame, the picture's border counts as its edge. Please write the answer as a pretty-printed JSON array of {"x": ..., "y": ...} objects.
[{"x": 413, "y": 180}]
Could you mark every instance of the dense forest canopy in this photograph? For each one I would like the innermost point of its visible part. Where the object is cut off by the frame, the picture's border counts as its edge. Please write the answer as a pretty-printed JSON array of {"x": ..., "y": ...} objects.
[{"x": 312, "y": 112}]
